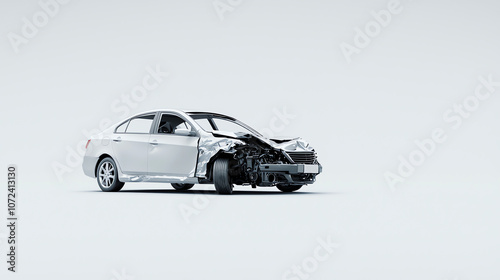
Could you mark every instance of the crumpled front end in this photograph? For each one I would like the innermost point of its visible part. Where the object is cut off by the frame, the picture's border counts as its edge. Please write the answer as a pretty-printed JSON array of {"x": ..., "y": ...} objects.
[{"x": 260, "y": 161}]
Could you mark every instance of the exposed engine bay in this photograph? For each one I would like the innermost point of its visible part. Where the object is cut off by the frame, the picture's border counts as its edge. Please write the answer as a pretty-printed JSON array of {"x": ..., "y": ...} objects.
[{"x": 260, "y": 161}]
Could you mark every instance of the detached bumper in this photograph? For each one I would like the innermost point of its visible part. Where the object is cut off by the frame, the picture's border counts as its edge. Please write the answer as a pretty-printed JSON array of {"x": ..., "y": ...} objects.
[{"x": 292, "y": 168}]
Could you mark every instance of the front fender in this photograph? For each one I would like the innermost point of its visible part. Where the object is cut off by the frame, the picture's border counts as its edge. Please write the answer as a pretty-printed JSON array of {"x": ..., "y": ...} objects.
[{"x": 209, "y": 147}]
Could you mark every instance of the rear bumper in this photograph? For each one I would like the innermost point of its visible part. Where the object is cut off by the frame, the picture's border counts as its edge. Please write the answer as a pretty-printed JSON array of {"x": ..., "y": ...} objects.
[{"x": 88, "y": 165}]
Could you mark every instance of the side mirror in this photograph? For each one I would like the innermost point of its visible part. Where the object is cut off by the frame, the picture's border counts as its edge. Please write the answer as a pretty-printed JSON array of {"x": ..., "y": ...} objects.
[{"x": 185, "y": 132}]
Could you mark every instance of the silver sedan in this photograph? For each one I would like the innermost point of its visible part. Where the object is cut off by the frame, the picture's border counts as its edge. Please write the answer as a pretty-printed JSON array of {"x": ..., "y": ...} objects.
[{"x": 187, "y": 148}]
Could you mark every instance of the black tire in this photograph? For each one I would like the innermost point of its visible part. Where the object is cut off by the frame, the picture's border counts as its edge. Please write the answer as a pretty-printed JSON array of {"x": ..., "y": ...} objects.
[
  {"x": 288, "y": 188},
  {"x": 107, "y": 176},
  {"x": 222, "y": 180},
  {"x": 182, "y": 187}
]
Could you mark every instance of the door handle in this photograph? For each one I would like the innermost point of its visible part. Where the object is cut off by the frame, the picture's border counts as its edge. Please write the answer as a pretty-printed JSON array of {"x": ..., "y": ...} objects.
[
  {"x": 118, "y": 139},
  {"x": 154, "y": 142}
]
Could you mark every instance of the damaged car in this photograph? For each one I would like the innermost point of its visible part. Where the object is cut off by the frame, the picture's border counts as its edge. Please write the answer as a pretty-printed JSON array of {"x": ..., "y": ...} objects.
[{"x": 188, "y": 148}]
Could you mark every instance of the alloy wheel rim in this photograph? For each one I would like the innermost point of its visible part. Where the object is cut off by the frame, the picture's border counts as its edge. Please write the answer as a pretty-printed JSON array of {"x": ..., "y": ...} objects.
[{"x": 106, "y": 175}]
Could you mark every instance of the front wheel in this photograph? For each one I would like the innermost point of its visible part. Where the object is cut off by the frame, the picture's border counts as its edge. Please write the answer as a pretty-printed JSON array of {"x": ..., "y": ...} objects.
[
  {"x": 288, "y": 188},
  {"x": 182, "y": 187},
  {"x": 107, "y": 176},
  {"x": 222, "y": 180}
]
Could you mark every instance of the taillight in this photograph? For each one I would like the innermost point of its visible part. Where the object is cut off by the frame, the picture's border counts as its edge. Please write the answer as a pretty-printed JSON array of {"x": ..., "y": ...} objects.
[{"x": 88, "y": 142}]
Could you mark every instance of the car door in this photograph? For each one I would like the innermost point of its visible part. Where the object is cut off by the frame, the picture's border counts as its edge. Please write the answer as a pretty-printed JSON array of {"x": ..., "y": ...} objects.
[
  {"x": 130, "y": 144},
  {"x": 173, "y": 147}
]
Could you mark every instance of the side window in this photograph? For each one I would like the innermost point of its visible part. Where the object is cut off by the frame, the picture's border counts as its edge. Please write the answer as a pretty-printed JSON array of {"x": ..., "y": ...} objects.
[
  {"x": 121, "y": 128},
  {"x": 140, "y": 124},
  {"x": 170, "y": 123},
  {"x": 184, "y": 126}
]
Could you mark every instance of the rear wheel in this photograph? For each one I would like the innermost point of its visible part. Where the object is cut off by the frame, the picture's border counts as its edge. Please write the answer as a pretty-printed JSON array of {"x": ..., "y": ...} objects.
[
  {"x": 182, "y": 187},
  {"x": 107, "y": 176},
  {"x": 221, "y": 178},
  {"x": 288, "y": 188}
]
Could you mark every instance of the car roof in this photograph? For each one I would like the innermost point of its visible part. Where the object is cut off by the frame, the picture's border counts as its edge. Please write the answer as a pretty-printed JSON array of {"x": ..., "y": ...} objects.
[{"x": 188, "y": 112}]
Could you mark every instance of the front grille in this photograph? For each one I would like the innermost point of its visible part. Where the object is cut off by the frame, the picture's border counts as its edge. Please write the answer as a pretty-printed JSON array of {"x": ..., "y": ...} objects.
[{"x": 303, "y": 157}]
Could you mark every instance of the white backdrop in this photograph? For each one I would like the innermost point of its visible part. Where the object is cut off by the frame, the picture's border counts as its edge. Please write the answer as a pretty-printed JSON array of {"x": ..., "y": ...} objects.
[{"x": 360, "y": 80}]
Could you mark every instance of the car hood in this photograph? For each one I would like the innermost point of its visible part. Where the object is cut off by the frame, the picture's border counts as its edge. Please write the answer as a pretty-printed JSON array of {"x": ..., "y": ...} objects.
[{"x": 288, "y": 144}]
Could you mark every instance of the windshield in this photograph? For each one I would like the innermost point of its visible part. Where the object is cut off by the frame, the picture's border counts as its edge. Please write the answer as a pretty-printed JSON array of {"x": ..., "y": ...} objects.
[{"x": 211, "y": 123}]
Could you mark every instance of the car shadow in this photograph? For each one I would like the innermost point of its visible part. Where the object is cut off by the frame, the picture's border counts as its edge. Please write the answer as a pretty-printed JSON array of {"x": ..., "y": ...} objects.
[{"x": 213, "y": 192}]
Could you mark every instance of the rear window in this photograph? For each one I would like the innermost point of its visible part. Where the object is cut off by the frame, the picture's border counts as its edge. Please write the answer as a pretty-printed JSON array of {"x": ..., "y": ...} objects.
[
  {"x": 121, "y": 128},
  {"x": 140, "y": 124}
]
